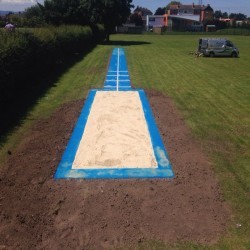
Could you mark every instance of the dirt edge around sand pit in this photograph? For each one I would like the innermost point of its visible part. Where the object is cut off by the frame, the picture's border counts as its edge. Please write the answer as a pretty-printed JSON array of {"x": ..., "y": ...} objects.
[{"x": 40, "y": 212}]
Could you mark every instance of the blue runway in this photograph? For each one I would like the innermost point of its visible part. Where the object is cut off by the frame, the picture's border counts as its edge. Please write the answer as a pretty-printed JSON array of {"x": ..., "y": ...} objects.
[{"x": 117, "y": 79}]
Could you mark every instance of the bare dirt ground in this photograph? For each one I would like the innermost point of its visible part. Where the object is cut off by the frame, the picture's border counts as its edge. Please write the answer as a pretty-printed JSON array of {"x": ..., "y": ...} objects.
[{"x": 38, "y": 212}]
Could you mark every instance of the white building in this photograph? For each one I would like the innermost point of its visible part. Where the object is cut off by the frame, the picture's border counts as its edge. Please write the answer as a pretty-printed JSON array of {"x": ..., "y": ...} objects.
[{"x": 155, "y": 21}]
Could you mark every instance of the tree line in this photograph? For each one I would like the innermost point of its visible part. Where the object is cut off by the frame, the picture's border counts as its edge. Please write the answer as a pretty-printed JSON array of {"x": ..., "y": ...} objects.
[
  {"x": 236, "y": 16},
  {"x": 109, "y": 13}
]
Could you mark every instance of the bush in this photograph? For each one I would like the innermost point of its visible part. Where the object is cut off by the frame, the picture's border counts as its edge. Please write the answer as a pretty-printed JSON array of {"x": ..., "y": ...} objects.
[
  {"x": 234, "y": 31},
  {"x": 98, "y": 32},
  {"x": 28, "y": 52}
]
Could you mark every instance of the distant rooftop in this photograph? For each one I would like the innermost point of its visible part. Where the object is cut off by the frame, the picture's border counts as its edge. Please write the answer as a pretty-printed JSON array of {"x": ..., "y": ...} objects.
[{"x": 189, "y": 7}]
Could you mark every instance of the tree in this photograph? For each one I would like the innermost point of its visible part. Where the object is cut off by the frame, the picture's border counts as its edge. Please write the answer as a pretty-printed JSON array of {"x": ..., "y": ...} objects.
[
  {"x": 110, "y": 13},
  {"x": 224, "y": 15},
  {"x": 172, "y": 3},
  {"x": 217, "y": 14},
  {"x": 33, "y": 11},
  {"x": 143, "y": 11},
  {"x": 136, "y": 19},
  {"x": 160, "y": 11},
  {"x": 237, "y": 16},
  {"x": 33, "y": 16},
  {"x": 63, "y": 12},
  {"x": 57, "y": 12}
]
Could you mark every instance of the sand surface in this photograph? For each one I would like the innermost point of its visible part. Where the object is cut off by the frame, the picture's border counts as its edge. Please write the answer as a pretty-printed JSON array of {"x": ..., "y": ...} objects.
[{"x": 116, "y": 134}]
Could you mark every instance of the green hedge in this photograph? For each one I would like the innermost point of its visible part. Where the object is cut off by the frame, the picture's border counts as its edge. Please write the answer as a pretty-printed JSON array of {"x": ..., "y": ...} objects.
[
  {"x": 26, "y": 53},
  {"x": 229, "y": 31},
  {"x": 235, "y": 31}
]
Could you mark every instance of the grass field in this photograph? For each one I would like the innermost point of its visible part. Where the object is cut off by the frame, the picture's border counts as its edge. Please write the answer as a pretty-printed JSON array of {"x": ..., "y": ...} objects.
[{"x": 211, "y": 93}]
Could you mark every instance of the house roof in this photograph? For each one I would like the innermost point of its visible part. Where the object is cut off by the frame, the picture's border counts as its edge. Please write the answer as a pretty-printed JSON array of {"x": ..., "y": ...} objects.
[
  {"x": 185, "y": 6},
  {"x": 189, "y": 7},
  {"x": 208, "y": 7},
  {"x": 174, "y": 7}
]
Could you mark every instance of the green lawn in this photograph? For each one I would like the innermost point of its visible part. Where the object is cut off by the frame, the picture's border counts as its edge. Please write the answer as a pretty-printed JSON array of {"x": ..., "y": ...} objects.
[{"x": 212, "y": 94}]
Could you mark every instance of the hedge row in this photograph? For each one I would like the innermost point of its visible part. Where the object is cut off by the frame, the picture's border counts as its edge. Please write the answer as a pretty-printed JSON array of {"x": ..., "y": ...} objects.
[
  {"x": 26, "y": 53},
  {"x": 235, "y": 31},
  {"x": 229, "y": 31}
]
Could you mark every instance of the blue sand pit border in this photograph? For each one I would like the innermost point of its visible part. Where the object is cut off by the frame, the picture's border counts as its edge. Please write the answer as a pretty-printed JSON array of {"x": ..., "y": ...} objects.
[
  {"x": 164, "y": 169},
  {"x": 117, "y": 67}
]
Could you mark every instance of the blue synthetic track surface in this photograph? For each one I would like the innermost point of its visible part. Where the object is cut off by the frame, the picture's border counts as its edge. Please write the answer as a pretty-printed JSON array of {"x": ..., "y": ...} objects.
[
  {"x": 117, "y": 76},
  {"x": 117, "y": 79}
]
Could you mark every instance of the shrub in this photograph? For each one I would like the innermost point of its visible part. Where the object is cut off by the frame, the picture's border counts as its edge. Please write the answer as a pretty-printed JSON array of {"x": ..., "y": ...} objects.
[
  {"x": 234, "y": 31},
  {"x": 28, "y": 52}
]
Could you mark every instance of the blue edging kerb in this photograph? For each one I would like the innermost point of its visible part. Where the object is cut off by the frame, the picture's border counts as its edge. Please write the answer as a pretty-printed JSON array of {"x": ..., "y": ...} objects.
[
  {"x": 70, "y": 152},
  {"x": 163, "y": 170},
  {"x": 157, "y": 143}
]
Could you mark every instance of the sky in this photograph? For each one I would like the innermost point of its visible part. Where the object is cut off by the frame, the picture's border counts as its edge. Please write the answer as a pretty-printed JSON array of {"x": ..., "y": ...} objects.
[
  {"x": 17, "y": 5},
  {"x": 230, "y": 6}
]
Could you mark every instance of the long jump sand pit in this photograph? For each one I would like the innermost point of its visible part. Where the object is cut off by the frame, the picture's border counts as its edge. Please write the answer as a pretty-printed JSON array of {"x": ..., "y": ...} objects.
[
  {"x": 116, "y": 134},
  {"x": 115, "y": 137}
]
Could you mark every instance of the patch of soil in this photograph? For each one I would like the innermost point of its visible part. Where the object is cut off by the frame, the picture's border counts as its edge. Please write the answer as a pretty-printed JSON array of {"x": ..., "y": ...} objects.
[{"x": 37, "y": 211}]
